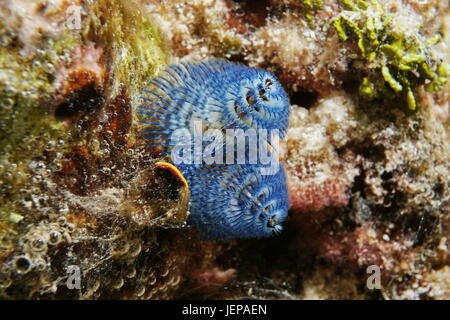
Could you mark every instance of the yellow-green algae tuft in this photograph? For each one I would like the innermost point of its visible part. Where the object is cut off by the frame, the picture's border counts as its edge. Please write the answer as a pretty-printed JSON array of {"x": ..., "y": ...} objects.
[
  {"x": 310, "y": 7},
  {"x": 134, "y": 45},
  {"x": 398, "y": 63}
]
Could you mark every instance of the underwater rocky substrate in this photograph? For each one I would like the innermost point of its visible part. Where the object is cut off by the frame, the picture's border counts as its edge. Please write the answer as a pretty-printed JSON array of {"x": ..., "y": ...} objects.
[{"x": 367, "y": 152}]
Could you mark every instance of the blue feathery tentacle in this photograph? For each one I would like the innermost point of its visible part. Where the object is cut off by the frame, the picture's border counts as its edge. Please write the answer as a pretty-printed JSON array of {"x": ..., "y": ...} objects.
[
  {"x": 228, "y": 200},
  {"x": 237, "y": 201},
  {"x": 221, "y": 94}
]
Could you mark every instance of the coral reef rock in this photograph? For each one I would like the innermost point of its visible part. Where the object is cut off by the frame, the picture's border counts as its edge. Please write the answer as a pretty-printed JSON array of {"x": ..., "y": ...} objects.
[{"x": 86, "y": 212}]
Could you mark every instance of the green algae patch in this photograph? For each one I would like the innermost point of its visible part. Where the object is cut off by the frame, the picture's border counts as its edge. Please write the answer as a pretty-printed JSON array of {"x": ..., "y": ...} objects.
[
  {"x": 309, "y": 8},
  {"x": 27, "y": 128},
  {"x": 396, "y": 63},
  {"x": 134, "y": 46}
]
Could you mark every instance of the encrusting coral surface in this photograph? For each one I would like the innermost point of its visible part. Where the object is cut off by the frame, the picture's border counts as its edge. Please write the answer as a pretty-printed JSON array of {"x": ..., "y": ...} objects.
[{"x": 367, "y": 151}]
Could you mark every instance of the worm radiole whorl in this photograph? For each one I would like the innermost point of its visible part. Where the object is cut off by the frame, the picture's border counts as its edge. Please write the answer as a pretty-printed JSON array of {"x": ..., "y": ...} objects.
[
  {"x": 221, "y": 94},
  {"x": 234, "y": 200},
  {"x": 237, "y": 202}
]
